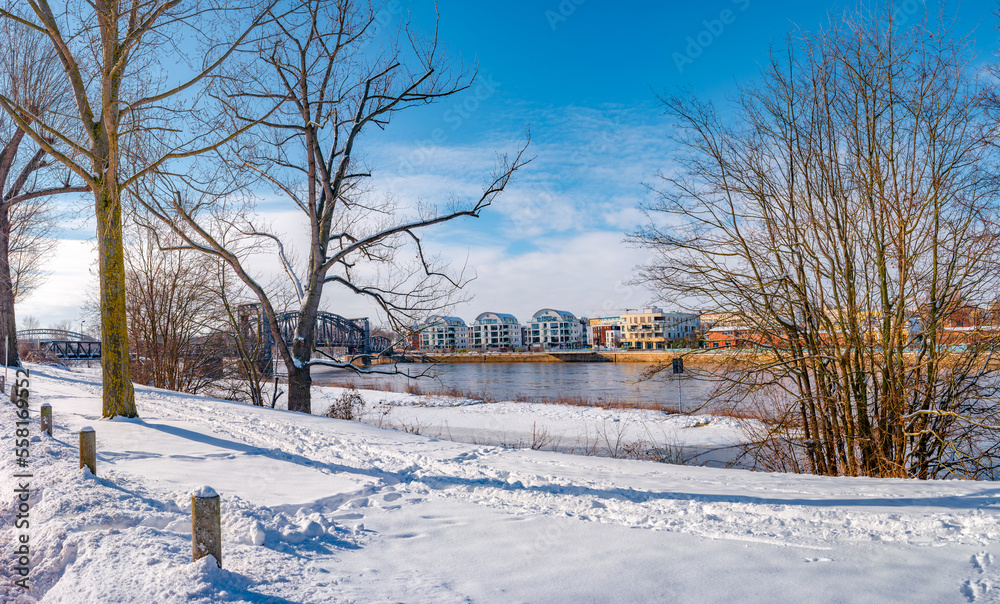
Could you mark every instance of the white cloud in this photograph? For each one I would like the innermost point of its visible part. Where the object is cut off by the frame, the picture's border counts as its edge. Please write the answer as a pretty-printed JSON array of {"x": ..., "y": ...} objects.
[{"x": 62, "y": 296}]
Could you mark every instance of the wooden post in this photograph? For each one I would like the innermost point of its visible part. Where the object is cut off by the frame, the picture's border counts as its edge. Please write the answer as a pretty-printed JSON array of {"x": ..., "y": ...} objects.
[
  {"x": 206, "y": 525},
  {"x": 88, "y": 449},
  {"x": 47, "y": 418}
]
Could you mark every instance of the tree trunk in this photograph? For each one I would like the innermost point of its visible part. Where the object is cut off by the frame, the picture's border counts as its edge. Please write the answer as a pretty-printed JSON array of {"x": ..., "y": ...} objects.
[
  {"x": 299, "y": 389},
  {"x": 8, "y": 322},
  {"x": 299, "y": 377},
  {"x": 119, "y": 396}
]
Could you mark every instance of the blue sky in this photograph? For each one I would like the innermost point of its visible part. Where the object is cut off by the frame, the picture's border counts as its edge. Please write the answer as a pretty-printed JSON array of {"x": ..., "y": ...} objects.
[{"x": 584, "y": 75}]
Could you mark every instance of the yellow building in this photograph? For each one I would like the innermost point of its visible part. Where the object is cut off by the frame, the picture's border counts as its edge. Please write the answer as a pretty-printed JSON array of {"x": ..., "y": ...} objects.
[{"x": 653, "y": 329}]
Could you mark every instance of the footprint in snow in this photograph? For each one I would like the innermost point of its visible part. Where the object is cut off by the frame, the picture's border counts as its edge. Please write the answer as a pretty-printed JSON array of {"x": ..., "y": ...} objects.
[
  {"x": 980, "y": 587},
  {"x": 973, "y": 590},
  {"x": 981, "y": 560}
]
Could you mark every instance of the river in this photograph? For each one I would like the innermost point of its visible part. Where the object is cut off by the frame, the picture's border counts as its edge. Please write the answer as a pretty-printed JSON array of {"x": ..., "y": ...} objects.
[{"x": 538, "y": 381}]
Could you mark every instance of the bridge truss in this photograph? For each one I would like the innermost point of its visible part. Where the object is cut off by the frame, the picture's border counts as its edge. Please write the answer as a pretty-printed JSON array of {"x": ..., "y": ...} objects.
[{"x": 63, "y": 344}]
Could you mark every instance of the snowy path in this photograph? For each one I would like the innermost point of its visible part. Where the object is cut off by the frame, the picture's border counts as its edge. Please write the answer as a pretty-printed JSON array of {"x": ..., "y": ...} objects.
[{"x": 320, "y": 510}]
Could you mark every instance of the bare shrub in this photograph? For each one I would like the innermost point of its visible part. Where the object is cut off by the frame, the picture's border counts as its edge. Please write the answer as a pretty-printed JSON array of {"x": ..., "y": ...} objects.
[
  {"x": 614, "y": 438},
  {"x": 41, "y": 356},
  {"x": 350, "y": 406},
  {"x": 378, "y": 415},
  {"x": 541, "y": 438},
  {"x": 415, "y": 427}
]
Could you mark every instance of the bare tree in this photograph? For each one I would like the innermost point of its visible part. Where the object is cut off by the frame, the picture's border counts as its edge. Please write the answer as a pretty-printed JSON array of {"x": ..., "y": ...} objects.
[
  {"x": 29, "y": 73},
  {"x": 172, "y": 316},
  {"x": 249, "y": 366},
  {"x": 846, "y": 215},
  {"x": 133, "y": 117},
  {"x": 334, "y": 75}
]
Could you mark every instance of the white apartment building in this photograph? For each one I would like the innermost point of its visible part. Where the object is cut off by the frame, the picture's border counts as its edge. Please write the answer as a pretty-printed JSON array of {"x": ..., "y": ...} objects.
[
  {"x": 551, "y": 328},
  {"x": 444, "y": 333},
  {"x": 495, "y": 331},
  {"x": 653, "y": 329}
]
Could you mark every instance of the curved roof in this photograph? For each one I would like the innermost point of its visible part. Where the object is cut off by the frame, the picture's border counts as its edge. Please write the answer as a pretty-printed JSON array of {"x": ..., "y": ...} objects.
[
  {"x": 562, "y": 314},
  {"x": 503, "y": 318},
  {"x": 440, "y": 319}
]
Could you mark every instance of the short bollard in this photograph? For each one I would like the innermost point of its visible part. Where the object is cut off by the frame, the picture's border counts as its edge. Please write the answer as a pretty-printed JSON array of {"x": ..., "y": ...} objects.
[
  {"x": 47, "y": 418},
  {"x": 206, "y": 525},
  {"x": 88, "y": 449}
]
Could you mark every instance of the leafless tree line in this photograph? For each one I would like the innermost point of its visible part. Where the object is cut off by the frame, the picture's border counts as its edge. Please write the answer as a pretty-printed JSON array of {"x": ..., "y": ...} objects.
[{"x": 269, "y": 92}]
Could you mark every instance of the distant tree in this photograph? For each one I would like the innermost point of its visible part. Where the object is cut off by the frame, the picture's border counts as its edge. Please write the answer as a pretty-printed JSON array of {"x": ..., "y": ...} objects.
[
  {"x": 64, "y": 325},
  {"x": 249, "y": 368},
  {"x": 846, "y": 214}
]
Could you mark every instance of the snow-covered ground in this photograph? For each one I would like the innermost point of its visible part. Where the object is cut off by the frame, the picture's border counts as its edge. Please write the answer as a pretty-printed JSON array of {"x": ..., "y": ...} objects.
[
  {"x": 322, "y": 510},
  {"x": 696, "y": 439}
]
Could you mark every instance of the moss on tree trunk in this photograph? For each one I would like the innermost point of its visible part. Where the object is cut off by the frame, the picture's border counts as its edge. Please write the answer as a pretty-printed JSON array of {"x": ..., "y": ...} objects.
[{"x": 119, "y": 396}]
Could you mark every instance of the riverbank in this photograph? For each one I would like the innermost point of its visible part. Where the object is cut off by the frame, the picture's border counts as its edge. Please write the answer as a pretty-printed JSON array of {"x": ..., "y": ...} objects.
[{"x": 691, "y": 357}]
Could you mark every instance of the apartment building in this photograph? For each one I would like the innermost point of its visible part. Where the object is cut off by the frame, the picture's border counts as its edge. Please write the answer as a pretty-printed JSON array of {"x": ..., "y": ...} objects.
[
  {"x": 550, "y": 328},
  {"x": 653, "y": 329},
  {"x": 495, "y": 331},
  {"x": 440, "y": 333},
  {"x": 606, "y": 330}
]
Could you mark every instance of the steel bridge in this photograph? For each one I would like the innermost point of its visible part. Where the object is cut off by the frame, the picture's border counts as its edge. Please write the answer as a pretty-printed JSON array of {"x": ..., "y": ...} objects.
[
  {"x": 334, "y": 331},
  {"x": 63, "y": 344}
]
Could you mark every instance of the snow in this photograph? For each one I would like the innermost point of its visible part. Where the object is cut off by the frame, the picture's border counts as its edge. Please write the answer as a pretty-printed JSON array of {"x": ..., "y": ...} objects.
[
  {"x": 567, "y": 428},
  {"x": 204, "y": 492},
  {"x": 322, "y": 510}
]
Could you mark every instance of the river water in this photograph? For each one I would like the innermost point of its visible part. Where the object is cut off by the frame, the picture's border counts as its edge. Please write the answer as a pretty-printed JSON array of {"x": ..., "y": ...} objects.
[{"x": 538, "y": 381}]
